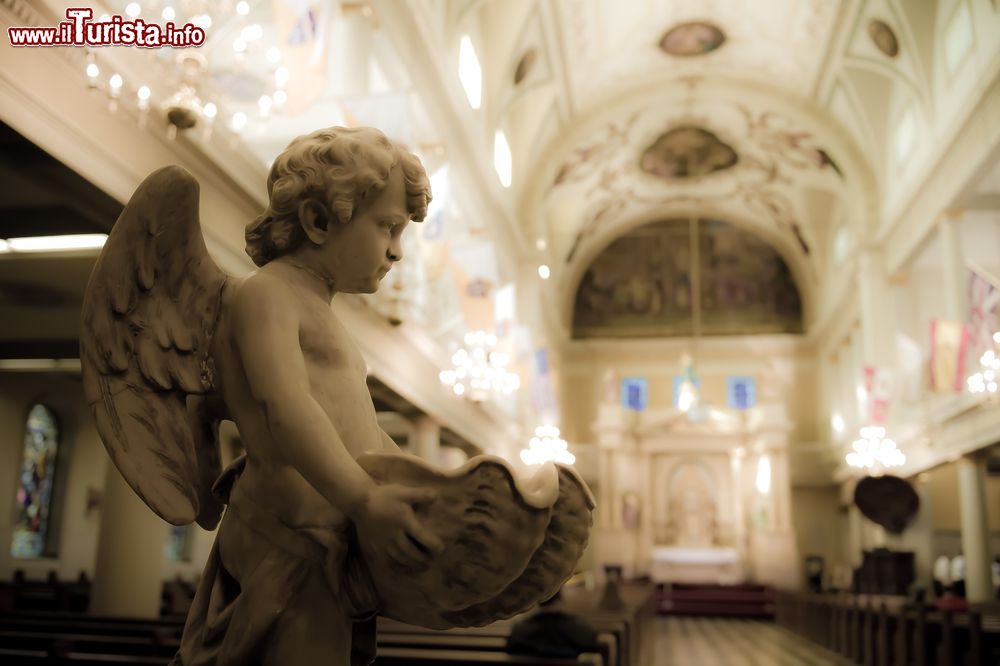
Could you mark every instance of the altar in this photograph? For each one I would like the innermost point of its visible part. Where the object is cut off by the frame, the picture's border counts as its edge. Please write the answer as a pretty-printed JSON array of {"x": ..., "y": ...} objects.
[
  {"x": 703, "y": 501},
  {"x": 721, "y": 566}
]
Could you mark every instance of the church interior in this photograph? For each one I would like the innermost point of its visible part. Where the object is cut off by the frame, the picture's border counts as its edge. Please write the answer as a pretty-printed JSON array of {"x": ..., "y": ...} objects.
[{"x": 737, "y": 263}]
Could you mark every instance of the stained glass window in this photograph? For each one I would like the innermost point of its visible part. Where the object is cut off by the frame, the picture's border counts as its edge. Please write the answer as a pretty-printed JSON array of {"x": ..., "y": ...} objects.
[
  {"x": 178, "y": 543},
  {"x": 34, "y": 490}
]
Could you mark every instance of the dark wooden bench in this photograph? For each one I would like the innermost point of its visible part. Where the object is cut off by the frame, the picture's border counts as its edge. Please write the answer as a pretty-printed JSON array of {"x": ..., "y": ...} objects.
[
  {"x": 59, "y": 643},
  {"x": 882, "y": 631},
  {"x": 31, "y": 657},
  {"x": 494, "y": 640},
  {"x": 411, "y": 656}
]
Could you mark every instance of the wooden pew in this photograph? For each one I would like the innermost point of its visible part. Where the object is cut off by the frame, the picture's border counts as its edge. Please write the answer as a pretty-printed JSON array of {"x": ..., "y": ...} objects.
[
  {"x": 392, "y": 633},
  {"x": 51, "y": 638},
  {"x": 471, "y": 642},
  {"x": 406, "y": 656},
  {"x": 59, "y": 643},
  {"x": 632, "y": 621},
  {"x": 31, "y": 657},
  {"x": 903, "y": 638},
  {"x": 881, "y": 630}
]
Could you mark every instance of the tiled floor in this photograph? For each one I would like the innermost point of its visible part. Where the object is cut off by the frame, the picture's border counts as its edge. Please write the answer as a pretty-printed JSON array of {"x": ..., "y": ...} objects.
[{"x": 683, "y": 641}]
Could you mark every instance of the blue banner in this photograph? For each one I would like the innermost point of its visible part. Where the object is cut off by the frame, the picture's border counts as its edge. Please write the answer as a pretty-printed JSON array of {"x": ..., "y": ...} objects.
[
  {"x": 741, "y": 392},
  {"x": 634, "y": 393}
]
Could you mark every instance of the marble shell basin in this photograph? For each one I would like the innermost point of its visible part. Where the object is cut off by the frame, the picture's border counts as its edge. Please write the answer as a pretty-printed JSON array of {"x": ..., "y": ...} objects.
[{"x": 510, "y": 541}]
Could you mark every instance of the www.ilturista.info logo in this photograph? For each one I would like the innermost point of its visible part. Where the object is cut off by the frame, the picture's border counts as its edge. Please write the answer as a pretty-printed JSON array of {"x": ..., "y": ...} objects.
[{"x": 79, "y": 30}]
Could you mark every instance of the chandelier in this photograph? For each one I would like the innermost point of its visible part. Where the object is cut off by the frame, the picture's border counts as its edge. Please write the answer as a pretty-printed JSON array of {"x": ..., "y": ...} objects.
[
  {"x": 985, "y": 381},
  {"x": 874, "y": 449},
  {"x": 479, "y": 370},
  {"x": 547, "y": 445},
  {"x": 185, "y": 103}
]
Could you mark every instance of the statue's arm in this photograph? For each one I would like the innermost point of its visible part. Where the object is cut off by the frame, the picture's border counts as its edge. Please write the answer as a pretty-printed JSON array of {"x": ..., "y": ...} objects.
[
  {"x": 267, "y": 327},
  {"x": 266, "y": 324}
]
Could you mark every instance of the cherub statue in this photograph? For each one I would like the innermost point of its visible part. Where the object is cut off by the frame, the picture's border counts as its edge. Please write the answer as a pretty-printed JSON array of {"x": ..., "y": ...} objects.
[{"x": 326, "y": 525}]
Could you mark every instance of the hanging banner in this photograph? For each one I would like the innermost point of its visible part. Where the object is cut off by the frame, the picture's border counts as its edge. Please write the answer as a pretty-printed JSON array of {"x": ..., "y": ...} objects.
[
  {"x": 634, "y": 393},
  {"x": 949, "y": 343},
  {"x": 543, "y": 391},
  {"x": 875, "y": 399},
  {"x": 741, "y": 392},
  {"x": 984, "y": 312}
]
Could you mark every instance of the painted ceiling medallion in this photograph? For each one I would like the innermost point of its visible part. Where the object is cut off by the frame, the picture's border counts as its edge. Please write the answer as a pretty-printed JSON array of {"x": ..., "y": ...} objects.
[
  {"x": 692, "y": 39},
  {"x": 687, "y": 152},
  {"x": 883, "y": 37}
]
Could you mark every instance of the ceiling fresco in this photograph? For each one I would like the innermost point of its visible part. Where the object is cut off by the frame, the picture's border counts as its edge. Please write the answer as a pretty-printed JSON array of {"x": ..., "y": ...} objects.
[
  {"x": 725, "y": 155},
  {"x": 692, "y": 39},
  {"x": 654, "y": 281},
  {"x": 613, "y": 45},
  {"x": 687, "y": 152}
]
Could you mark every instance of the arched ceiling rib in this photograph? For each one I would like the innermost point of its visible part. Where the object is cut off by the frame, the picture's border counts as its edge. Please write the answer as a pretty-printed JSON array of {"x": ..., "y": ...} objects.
[{"x": 797, "y": 178}]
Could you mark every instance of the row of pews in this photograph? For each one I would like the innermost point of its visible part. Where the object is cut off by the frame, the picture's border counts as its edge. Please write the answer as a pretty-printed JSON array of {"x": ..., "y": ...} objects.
[
  {"x": 877, "y": 630},
  {"x": 622, "y": 616},
  {"x": 747, "y": 600},
  {"x": 50, "y": 594},
  {"x": 72, "y": 638},
  {"x": 406, "y": 645},
  {"x": 621, "y": 621}
]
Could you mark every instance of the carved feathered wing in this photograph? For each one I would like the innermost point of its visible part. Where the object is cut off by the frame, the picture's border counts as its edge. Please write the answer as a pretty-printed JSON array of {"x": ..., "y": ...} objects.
[{"x": 149, "y": 314}]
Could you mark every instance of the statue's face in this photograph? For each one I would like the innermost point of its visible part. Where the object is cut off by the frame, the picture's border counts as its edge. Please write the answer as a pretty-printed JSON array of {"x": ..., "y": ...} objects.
[{"x": 360, "y": 253}]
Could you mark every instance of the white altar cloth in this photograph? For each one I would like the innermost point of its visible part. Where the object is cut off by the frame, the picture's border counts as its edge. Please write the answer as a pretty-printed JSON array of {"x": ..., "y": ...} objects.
[{"x": 696, "y": 565}]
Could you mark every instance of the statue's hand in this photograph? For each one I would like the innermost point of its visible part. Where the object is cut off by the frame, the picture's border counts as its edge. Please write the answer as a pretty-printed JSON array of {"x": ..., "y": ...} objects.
[{"x": 386, "y": 521}]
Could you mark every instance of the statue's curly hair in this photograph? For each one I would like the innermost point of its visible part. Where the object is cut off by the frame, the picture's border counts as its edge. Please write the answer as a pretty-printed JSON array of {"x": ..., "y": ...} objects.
[{"x": 338, "y": 167}]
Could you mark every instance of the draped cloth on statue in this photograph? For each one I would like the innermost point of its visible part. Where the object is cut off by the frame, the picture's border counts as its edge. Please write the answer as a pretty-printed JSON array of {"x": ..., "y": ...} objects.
[{"x": 298, "y": 588}]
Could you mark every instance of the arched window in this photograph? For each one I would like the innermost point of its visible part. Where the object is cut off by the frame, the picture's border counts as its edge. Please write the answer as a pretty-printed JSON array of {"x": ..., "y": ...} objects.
[
  {"x": 34, "y": 489},
  {"x": 178, "y": 547}
]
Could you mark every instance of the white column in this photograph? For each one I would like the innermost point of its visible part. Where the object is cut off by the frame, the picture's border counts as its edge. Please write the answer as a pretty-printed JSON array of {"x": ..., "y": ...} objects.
[
  {"x": 781, "y": 488},
  {"x": 608, "y": 429},
  {"x": 954, "y": 270},
  {"x": 427, "y": 436},
  {"x": 855, "y": 538},
  {"x": 874, "y": 304},
  {"x": 919, "y": 536},
  {"x": 874, "y": 535},
  {"x": 645, "y": 469},
  {"x": 603, "y": 517},
  {"x": 739, "y": 518},
  {"x": 351, "y": 53},
  {"x": 128, "y": 578},
  {"x": 975, "y": 544}
]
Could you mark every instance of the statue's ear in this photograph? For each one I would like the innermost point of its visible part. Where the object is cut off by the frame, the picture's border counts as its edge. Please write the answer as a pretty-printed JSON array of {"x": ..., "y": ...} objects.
[{"x": 315, "y": 220}]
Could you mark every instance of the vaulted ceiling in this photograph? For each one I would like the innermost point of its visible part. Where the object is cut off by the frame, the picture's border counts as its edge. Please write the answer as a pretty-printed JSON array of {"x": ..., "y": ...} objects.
[
  {"x": 813, "y": 125},
  {"x": 832, "y": 111}
]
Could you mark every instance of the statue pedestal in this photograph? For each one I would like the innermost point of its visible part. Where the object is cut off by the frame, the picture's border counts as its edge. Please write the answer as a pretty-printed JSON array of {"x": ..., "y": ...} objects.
[{"x": 677, "y": 564}]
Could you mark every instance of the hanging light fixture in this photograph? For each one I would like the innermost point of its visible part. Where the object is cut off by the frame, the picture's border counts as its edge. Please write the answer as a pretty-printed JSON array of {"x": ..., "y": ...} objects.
[
  {"x": 986, "y": 380},
  {"x": 184, "y": 108},
  {"x": 874, "y": 450},
  {"x": 547, "y": 446},
  {"x": 479, "y": 370}
]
